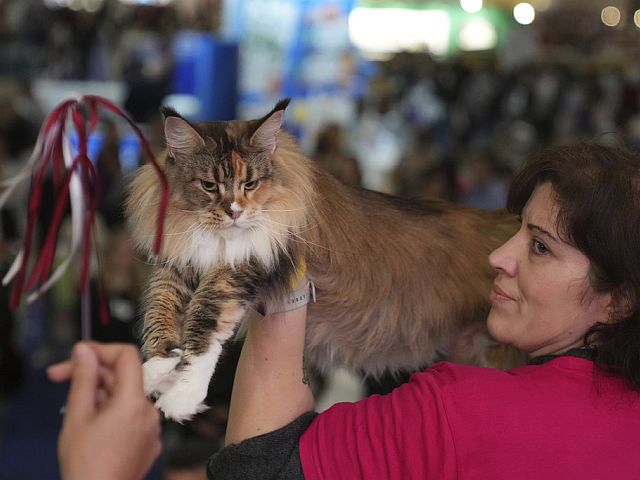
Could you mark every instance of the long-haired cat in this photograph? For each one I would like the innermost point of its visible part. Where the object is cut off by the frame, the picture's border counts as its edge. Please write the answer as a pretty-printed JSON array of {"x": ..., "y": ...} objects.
[{"x": 396, "y": 280}]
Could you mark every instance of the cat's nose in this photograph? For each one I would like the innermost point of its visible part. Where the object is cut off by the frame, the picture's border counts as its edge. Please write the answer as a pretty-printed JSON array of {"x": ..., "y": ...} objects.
[{"x": 235, "y": 214}]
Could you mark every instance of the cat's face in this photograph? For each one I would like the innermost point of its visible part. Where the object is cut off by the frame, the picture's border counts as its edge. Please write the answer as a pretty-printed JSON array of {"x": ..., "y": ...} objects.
[{"x": 222, "y": 172}]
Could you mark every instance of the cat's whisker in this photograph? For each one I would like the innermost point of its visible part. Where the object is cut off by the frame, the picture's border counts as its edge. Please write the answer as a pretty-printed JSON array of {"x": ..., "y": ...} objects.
[
  {"x": 298, "y": 228},
  {"x": 279, "y": 241},
  {"x": 300, "y": 239},
  {"x": 188, "y": 230},
  {"x": 287, "y": 225},
  {"x": 181, "y": 209},
  {"x": 151, "y": 262},
  {"x": 286, "y": 210},
  {"x": 296, "y": 237}
]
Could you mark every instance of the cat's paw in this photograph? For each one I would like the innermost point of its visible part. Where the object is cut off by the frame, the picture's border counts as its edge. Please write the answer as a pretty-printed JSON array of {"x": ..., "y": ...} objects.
[
  {"x": 159, "y": 373},
  {"x": 185, "y": 398}
]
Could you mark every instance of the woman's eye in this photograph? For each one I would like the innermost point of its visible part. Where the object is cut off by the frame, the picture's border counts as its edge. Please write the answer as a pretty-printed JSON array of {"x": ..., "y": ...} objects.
[
  {"x": 209, "y": 186},
  {"x": 539, "y": 247},
  {"x": 251, "y": 185}
]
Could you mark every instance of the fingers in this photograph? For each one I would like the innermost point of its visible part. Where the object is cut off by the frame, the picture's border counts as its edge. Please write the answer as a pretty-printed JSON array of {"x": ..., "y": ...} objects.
[
  {"x": 81, "y": 402},
  {"x": 118, "y": 370},
  {"x": 110, "y": 353},
  {"x": 124, "y": 363},
  {"x": 60, "y": 372}
]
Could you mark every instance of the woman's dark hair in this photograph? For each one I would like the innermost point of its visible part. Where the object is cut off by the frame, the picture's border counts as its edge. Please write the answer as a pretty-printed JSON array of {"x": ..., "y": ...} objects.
[{"x": 597, "y": 191}]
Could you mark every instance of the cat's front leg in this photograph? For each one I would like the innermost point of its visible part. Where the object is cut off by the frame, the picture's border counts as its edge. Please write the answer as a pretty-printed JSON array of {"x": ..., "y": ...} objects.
[
  {"x": 165, "y": 300},
  {"x": 215, "y": 310}
]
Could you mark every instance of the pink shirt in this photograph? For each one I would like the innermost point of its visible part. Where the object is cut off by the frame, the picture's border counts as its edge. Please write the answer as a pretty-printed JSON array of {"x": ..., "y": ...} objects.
[{"x": 455, "y": 422}]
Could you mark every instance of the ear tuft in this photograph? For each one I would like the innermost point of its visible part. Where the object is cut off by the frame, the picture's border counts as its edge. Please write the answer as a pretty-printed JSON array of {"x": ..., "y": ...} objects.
[
  {"x": 282, "y": 104},
  {"x": 181, "y": 137},
  {"x": 168, "y": 111},
  {"x": 265, "y": 136}
]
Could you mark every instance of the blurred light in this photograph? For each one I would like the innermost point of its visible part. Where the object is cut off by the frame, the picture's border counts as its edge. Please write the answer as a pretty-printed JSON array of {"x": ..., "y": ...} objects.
[
  {"x": 541, "y": 5},
  {"x": 55, "y": 3},
  {"x": 385, "y": 30},
  {"x": 477, "y": 34},
  {"x": 471, "y": 6},
  {"x": 610, "y": 16},
  {"x": 76, "y": 5},
  {"x": 153, "y": 3},
  {"x": 92, "y": 5},
  {"x": 524, "y": 13},
  {"x": 636, "y": 18}
]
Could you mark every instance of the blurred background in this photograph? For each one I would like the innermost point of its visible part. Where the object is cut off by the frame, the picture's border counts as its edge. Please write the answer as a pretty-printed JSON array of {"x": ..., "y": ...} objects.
[{"x": 410, "y": 97}]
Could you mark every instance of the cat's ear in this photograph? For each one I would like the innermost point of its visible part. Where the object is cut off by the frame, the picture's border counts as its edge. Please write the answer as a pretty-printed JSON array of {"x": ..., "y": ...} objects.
[
  {"x": 265, "y": 135},
  {"x": 181, "y": 137}
]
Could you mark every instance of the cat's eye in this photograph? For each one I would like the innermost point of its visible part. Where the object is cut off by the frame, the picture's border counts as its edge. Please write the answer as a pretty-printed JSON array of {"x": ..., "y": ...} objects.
[
  {"x": 251, "y": 185},
  {"x": 209, "y": 186}
]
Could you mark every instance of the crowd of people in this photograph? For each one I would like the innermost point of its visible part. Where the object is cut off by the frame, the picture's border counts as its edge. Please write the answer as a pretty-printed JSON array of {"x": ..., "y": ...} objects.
[{"x": 456, "y": 129}]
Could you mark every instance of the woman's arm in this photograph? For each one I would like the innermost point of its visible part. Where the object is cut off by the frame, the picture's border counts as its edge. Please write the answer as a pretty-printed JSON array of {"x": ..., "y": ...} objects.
[{"x": 270, "y": 390}]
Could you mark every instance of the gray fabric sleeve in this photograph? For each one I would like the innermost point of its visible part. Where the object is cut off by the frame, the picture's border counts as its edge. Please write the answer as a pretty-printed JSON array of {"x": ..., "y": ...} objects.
[{"x": 272, "y": 456}]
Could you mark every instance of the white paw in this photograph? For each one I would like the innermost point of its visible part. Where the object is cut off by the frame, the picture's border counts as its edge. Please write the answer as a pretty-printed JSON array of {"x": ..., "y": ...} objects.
[
  {"x": 159, "y": 374},
  {"x": 185, "y": 398}
]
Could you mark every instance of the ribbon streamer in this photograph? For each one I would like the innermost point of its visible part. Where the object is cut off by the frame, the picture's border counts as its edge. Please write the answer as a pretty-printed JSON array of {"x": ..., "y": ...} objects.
[{"x": 75, "y": 182}]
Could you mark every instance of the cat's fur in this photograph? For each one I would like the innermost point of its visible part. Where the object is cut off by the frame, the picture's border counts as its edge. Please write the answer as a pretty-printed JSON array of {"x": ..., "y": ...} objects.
[{"x": 396, "y": 280}]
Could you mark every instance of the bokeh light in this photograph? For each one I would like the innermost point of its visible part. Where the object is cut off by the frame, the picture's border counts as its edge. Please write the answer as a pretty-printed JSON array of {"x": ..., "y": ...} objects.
[
  {"x": 610, "y": 16},
  {"x": 524, "y": 13},
  {"x": 471, "y": 6}
]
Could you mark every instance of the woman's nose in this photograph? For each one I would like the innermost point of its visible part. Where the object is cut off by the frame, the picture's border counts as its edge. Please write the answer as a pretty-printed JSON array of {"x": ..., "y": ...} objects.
[{"x": 504, "y": 258}]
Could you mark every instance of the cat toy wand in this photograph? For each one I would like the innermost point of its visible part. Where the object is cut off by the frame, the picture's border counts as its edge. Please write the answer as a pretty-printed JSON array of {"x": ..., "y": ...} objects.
[{"x": 75, "y": 183}]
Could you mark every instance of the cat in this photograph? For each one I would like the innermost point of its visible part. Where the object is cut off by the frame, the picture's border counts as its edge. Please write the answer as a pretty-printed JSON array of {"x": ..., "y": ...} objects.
[{"x": 396, "y": 280}]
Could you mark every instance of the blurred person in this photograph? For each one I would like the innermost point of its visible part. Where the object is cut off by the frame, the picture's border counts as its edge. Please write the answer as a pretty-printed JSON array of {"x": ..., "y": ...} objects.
[
  {"x": 145, "y": 63},
  {"x": 331, "y": 154},
  {"x": 122, "y": 283},
  {"x": 421, "y": 156},
  {"x": 18, "y": 130},
  {"x": 486, "y": 189},
  {"x": 110, "y": 178},
  {"x": 12, "y": 364},
  {"x": 440, "y": 181}
]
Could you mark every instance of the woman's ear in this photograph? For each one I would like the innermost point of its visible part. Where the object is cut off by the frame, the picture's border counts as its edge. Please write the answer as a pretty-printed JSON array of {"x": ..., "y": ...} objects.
[{"x": 623, "y": 303}]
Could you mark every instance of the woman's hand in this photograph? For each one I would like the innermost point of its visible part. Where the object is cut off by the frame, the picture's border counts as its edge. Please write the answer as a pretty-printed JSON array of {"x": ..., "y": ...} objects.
[{"x": 110, "y": 429}]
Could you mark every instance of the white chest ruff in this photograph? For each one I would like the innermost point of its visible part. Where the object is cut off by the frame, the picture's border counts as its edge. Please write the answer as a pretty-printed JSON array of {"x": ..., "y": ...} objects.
[{"x": 232, "y": 247}]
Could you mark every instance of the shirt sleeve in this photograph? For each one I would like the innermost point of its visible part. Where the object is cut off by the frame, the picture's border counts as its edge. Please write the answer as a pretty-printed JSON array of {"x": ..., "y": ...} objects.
[
  {"x": 272, "y": 456},
  {"x": 405, "y": 434}
]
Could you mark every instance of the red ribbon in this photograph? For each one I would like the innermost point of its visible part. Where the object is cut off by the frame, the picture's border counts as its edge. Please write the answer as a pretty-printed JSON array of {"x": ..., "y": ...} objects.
[{"x": 84, "y": 116}]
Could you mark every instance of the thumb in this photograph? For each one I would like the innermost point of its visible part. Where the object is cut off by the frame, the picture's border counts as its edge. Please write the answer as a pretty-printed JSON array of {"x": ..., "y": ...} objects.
[{"x": 81, "y": 403}]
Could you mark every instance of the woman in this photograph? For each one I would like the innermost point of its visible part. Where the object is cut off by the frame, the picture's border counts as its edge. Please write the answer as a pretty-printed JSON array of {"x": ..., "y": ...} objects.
[{"x": 566, "y": 292}]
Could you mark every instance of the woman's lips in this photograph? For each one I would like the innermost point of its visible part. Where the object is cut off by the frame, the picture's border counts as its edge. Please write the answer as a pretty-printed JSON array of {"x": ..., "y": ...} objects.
[{"x": 498, "y": 295}]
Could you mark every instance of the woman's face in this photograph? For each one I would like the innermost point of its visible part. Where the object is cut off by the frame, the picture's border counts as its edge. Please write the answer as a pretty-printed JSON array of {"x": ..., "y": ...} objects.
[{"x": 542, "y": 302}]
